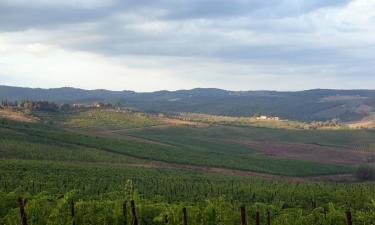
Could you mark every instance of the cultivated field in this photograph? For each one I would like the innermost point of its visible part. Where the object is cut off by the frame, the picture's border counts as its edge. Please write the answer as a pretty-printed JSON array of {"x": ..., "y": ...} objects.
[{"x": 101, "y": 158}]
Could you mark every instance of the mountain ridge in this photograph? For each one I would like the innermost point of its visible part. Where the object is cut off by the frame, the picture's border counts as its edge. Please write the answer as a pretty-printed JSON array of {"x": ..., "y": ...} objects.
[{"x": 308, "y": 105}]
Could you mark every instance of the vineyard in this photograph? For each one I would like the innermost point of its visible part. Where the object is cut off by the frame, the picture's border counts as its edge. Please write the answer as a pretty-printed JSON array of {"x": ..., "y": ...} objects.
[
  {"x": 100, "y": 191},
  {"x": 89, "y": 173},
  {"x": 19, "y": 141}
]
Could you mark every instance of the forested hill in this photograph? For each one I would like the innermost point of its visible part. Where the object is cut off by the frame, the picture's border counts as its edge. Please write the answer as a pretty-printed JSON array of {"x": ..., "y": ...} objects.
[{"x": 319, "y": 104}]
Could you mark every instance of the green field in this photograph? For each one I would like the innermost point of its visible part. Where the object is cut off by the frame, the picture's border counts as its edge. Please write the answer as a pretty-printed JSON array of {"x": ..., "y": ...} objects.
[
  {"x": 336, "y": 138},
  {"x": 50, "y": 166},
  {"x": 253, "y": 121},
  {"x": 184, "y": 146},
  {"x": 100, "y": 190},
  {"x": 99, "y": 119}
]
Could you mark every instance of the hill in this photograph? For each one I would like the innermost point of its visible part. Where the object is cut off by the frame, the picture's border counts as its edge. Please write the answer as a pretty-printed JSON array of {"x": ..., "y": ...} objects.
[
  {"x": 97, "y": 160},
  {"x": 319, "y": 104}
]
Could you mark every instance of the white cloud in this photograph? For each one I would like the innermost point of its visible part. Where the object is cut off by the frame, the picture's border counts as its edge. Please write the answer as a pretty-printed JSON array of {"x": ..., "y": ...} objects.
[{"x": 40, "y": 65}]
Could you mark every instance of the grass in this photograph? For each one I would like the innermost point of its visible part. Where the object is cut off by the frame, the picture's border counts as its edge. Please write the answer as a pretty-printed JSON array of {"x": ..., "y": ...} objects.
[
  {"x": 18, "y": 145},
  {"x": 252, "y": 121},
  {"x": 359, "y": 139},
  {"x": 27, "y": 141},
  {"x": 98, "y": 119}
]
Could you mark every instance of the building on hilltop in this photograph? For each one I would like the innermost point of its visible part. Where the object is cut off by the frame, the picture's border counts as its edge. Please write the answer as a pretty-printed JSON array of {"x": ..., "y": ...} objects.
[{"x": 268, "y": 118}]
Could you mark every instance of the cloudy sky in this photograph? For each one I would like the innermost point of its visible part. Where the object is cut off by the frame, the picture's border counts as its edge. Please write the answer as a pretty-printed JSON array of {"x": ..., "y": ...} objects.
[{"x": 162, "y": 44}]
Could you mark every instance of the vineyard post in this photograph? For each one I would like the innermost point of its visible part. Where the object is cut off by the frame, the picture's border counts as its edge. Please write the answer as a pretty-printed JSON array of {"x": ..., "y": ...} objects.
[
  {"x": 23, "y": 215},
  {"x": 268, "y": 218},
  {"x": 243, "y": 215},
  {"x": 257, "y": 219},
  {"x": 72, "y": 211},
  {"x": 134, "y": 215},
  {"x": 184, "y": 211},
  {"x": 124, "y": 212},
  {"x": 349, "y": 219}
]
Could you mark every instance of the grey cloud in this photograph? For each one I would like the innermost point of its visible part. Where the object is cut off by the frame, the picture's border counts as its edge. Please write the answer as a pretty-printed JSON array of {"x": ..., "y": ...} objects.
[
  {"x": 259, "y": 8},
  {"x": 19, "y": 17},
  {"x": 273, "y": 32}
]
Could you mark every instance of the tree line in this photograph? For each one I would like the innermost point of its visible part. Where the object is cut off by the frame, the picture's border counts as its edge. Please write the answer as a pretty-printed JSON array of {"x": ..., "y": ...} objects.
[{"x": 49, "y": 106}]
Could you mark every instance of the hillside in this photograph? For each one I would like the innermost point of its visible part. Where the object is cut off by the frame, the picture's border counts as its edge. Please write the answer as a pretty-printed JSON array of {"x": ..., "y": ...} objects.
[
  {"x": 99, "y": 160},
  {"x": 346, "y": 105}
]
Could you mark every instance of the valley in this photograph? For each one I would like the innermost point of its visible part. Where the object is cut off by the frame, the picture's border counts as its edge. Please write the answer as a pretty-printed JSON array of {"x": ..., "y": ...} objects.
[{"x": 90, "y": 154}]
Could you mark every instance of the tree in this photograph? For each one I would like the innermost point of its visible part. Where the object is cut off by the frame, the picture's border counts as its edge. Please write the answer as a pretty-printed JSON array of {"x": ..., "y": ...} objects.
[
  {"x": 365, "y": 172},
  {"x": 65, "y": 107},
  {"x": 27, "y": 104},
  {"x": 46, "y": 106}
]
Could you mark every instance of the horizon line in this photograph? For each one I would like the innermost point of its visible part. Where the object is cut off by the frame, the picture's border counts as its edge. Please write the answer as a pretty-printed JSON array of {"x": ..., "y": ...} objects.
[{"x": 176, "y": 90}]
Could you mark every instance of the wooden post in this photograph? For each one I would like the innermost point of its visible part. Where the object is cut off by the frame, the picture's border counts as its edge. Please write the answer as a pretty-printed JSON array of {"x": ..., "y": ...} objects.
[
  {"x": 349, "y": 219},
  {"x": 134, "y": 214},
  {"x": 268, "y": 218},
  {"x": 243, "y": 215},
  {"x": 124, "y": 213},
  {"x": 73, "y": 213},
  {"x": 22, "y": 203},
  {"x": 257, "y": 218},
  {"x": 184, "y": 211}
]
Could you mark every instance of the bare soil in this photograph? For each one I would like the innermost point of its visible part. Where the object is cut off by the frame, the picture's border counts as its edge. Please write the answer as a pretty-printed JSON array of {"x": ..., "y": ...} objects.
[
  {"x": 367, "y": 122},
  {"x": 310, "y": 152},
  {"x": 17, "y": 116}
]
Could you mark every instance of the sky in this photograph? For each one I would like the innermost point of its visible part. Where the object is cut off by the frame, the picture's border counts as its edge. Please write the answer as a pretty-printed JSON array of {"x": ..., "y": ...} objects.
[{"x": 153, "y": 45}]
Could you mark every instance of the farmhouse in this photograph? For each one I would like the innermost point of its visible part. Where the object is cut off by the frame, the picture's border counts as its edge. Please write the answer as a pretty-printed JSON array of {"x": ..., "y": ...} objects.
[
  {"x": 78, "y": 106},
  {"x": 98, "y": 105},
  {"x": 268, "y": 118}
]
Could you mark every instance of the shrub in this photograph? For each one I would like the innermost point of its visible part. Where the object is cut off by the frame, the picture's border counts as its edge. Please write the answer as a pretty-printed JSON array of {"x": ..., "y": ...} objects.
[{"x": 365, "y": 172}]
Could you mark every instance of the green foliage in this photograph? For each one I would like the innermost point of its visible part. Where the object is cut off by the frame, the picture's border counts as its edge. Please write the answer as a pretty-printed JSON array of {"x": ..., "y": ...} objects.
[
  {"x": 103, "y": 119},
  {"x": 362, "y": 140},
  {"x": 365, "y": 172},
  {"x": 43, "y": 106},
  {"x": 51, "y": 167},
  {"x": 254, "y": 121},
  {"x": 100, "y": 119},
  {"x": 184, "y": 149},
  {"x": 48, "y": 209}
]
